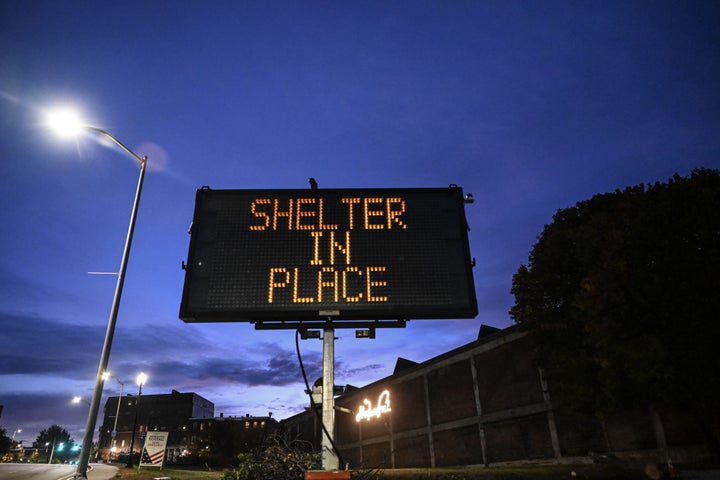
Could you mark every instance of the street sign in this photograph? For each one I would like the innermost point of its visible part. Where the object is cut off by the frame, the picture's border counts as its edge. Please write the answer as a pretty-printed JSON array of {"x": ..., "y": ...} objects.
[
  {"x": 328, "y": 254},
  {"x": 153, "y": 454}
]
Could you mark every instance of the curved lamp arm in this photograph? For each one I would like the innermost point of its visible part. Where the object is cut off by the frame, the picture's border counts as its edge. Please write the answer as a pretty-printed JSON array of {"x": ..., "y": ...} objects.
[{"x": 117, "y": 142}]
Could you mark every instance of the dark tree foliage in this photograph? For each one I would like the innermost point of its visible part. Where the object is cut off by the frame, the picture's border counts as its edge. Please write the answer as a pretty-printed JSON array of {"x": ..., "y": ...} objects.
[
  {"x": 622, "y": 297},
  {"x": 5, "y": 442},
  {"x": 55, "y": 435}
]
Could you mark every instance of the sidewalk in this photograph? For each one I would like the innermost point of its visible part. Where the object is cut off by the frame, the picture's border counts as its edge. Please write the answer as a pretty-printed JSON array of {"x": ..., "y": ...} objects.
[{"x": 101, "y": 471}]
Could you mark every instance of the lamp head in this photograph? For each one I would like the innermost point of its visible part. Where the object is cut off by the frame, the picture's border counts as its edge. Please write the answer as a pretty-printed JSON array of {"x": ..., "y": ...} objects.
[
  {"x": 141, "y": 379},
  {"x": 64, "y": 122}
]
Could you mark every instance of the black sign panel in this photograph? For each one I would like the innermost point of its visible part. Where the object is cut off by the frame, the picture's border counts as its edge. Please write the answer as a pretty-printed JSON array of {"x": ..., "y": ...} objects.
[{"x": 316, "y": 254}]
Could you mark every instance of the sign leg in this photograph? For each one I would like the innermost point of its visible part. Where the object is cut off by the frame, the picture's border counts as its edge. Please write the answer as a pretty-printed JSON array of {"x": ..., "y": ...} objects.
[{"x": 329, "y": 458}]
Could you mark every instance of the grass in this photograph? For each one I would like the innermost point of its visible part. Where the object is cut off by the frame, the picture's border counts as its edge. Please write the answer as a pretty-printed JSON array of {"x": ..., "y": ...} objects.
[
  {"x": 171, "y": 472},
  {"x": 534, "y": 472}
]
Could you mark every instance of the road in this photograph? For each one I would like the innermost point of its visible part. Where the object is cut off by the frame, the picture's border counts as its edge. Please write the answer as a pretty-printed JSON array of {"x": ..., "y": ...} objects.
[
  {"x": 35, "y": 471},
  {"x": 41, "y": 471}
]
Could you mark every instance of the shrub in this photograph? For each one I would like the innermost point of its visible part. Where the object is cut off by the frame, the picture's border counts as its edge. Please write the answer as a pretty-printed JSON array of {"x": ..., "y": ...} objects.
[{"x": 277, "y": 460}]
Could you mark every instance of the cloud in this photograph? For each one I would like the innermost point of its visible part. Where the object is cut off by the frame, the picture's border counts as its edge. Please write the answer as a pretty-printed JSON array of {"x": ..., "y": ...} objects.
[
  {"x": 30, "y": 413},
  {"x": 32, "y": 344},
  {"x": 19, "y": 291},
  {"x": 184, "y": 369},
  {"x": 281, "y": 369}
]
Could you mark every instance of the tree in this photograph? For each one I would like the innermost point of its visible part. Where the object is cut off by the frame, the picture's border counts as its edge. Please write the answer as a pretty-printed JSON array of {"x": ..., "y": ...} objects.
[
  {"x": 5, "y": 442},
  {"x": 621, "y": 295},
  {"x": 59, "y": 438}
]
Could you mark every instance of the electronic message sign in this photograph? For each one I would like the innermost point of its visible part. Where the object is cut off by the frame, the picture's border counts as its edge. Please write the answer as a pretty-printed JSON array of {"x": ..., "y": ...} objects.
[{"x": 339, "y": 254}]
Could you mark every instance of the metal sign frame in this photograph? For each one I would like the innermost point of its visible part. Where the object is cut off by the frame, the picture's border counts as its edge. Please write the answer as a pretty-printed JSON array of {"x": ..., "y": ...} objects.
[{"x": 320, "y": 258}]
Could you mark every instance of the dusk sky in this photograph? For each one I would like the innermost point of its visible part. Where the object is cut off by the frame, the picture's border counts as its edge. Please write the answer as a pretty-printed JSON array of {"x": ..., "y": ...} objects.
[{"x": 529, "y": 106}]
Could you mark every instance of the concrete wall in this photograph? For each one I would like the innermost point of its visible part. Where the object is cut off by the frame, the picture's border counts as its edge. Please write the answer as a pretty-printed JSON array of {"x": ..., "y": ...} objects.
[{"x": 485, "y": 403}]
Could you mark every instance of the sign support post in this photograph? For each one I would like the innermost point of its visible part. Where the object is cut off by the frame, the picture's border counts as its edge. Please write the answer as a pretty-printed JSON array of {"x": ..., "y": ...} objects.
[{"x": 329, "y": 457}]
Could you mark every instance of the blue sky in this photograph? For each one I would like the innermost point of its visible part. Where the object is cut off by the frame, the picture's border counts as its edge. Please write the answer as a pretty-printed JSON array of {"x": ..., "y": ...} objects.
[{"x": 530, "y": 106}]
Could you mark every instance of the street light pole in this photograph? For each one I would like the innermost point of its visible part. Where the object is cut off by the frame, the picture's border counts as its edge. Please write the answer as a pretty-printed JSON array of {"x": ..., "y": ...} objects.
[
  {"x": 82, "y": 468},
  {"x": 141, "y": 379},
  {"x": 117, "y": 412},
  {"x": 52, "y": 452}
]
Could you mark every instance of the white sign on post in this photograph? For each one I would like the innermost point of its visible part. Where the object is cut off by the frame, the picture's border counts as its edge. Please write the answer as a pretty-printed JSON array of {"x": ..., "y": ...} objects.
[{"x": 153, "y": 453}]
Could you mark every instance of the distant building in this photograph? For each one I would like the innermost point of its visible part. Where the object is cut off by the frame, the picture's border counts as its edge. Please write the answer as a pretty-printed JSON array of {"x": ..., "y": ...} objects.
[
  {"x": 486, "y": 403},
  {"x": 218, "y": 440},
  {"x": 165, "y": 413},
  {"x": 194, "y": 432}
]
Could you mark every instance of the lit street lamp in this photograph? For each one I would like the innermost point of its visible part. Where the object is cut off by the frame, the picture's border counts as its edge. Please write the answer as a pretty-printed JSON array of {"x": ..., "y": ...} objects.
[
  {"x": 141, "y": 379},
  {"x": 68, "y": 124},
  {"x": 14, "y": 444},
  {"x": 77, "y": 399}
]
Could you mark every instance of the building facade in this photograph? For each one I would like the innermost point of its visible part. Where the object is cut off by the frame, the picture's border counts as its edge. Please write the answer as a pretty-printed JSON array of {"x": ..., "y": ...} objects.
[
  {"x": 220, "y": 439},
  {"x": 170, "y": 413},
  {"x": 486, "y": 403}
]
